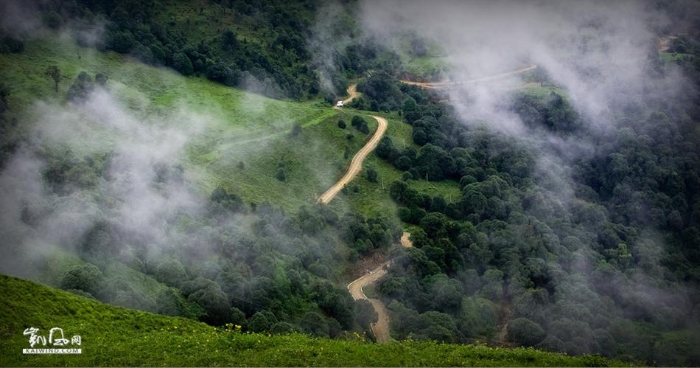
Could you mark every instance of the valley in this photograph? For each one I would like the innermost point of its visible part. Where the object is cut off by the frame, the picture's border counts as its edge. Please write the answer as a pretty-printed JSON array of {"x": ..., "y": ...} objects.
[{"x": 503, "y": 184}]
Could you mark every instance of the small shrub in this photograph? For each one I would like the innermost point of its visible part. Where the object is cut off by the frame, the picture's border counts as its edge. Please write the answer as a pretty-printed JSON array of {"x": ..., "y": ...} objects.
[
  {"x": 371, "y": 175},
  {"x": 357, "y": 121},
  {"x": 296, "y": 130},
  {"x": 101, "y": 79},
  {"x": 281, "y": 174}
]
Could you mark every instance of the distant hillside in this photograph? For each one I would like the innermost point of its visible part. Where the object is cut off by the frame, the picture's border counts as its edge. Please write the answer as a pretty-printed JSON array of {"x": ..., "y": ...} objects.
[
  {"x": 113, "y": 336},
  {"x": 261, "y": 46}
]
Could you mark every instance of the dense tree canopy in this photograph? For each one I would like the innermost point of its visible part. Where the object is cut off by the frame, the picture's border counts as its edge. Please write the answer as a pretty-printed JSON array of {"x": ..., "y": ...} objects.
[{"x": 611, "y": 267}]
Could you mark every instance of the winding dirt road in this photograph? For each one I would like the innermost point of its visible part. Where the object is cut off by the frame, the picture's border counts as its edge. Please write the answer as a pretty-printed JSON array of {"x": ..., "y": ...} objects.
[
  {"x": 380, "y": 329},
  {"x": 436, "y": 85},
  {"x": 356, "y": 163}
]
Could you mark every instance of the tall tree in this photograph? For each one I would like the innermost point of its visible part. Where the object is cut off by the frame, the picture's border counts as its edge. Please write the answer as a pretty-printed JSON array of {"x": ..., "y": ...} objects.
[{"x": 55, "y": 74}]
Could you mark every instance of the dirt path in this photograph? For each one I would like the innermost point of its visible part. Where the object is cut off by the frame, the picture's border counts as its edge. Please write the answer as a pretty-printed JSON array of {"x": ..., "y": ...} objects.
[
  {"x": 436, "y": 85},
  {"x": 356, "y": 163},
  {"x": 405, "y": 241},
  {"x": 352, "y": 92},
  {"x": 380, "y": 329},
  {"x": 504, "y": 316}
]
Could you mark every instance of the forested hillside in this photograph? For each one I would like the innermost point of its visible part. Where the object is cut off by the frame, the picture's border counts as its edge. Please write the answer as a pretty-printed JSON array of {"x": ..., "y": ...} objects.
[
  {"x": 267, "y": 47},
  {"x": 199, "y": 38},
  {"x": 609, "y": 267},
  {"x": 170, "y": 156}
]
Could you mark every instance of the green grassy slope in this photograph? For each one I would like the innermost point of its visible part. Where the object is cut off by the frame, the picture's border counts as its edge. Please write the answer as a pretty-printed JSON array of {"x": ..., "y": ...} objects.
[
  {"x": 372, "y": 199},
  {"x": 116, "y": 336},
  {"x": 239, "y": 126},
  {"x": 141, "y": 86},
  {"x": 427, "y": 67},
  {"x": 313, "y": 161}
]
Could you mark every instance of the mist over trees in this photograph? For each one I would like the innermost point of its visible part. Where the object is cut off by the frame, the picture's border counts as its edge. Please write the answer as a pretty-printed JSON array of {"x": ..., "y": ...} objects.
[
  {"x": 599, "y": 256},
  {"x": 575, "y": 228},
  {"x": 124, "y": 224},
  {"x": 594, "y": 274},
  {"x": 258, "y": 268}
]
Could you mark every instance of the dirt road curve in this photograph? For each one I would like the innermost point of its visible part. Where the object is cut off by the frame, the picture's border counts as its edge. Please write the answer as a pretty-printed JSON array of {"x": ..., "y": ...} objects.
[
  {"x": 435, "y": 85},
  {"x": 352, "y": 93},
  {"x": 405, "y": 241},
  {"x": 381, "y": 328},
  {"x": 356, "y": 163}
]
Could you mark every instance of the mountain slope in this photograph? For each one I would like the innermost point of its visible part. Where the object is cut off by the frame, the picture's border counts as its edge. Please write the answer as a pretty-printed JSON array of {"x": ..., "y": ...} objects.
[{"x": 117, "y": 336}]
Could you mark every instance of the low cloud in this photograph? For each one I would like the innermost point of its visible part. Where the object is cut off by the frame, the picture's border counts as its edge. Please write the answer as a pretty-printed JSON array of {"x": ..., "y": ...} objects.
[
  {"x": 18, "y": 17},
  {"x": 592, "y": 49},
  {"x": 138, "y": 191},
  {"x": 601, "y": 55}
]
